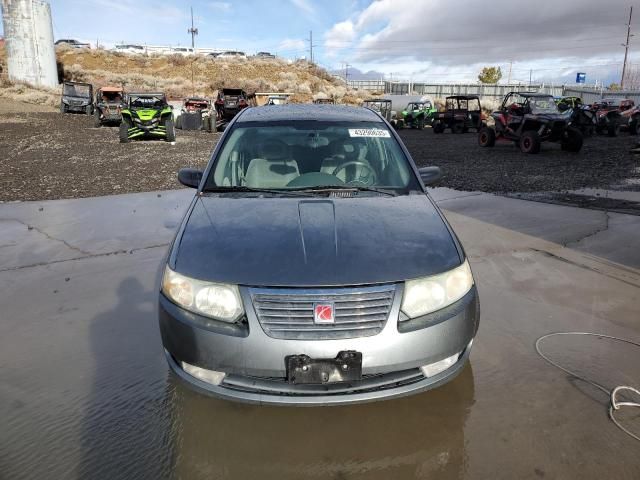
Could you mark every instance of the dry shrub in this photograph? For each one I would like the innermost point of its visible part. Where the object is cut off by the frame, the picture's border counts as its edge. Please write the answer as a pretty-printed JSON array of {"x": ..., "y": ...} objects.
[{"x": 177, "y": 60}]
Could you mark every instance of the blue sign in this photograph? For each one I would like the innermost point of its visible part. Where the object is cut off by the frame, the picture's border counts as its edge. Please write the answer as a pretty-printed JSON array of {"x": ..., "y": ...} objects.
[{"x": 581, "y": 77}]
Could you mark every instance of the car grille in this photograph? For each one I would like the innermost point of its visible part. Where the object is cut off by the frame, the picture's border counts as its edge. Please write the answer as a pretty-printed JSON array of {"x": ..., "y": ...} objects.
[{"x": 288, "y": 313}]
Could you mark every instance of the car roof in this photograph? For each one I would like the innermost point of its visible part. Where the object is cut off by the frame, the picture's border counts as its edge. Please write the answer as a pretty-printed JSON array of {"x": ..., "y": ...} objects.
[{"x": 308, "y": 111}]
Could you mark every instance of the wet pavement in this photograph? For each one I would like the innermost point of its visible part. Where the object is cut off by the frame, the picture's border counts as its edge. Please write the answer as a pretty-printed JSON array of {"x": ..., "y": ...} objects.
[{"x": 85, "y": 391}]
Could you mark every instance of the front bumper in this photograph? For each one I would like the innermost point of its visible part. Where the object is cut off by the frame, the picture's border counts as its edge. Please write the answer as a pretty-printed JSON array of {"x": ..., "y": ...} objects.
[{"x": 255, "y": 367}]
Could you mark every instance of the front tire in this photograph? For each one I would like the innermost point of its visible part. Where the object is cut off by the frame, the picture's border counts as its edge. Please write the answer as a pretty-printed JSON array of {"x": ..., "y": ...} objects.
[
  {"x": 170, "y": 128},
  {"x": 438, "y": 127},
  {"x": 572, "y": 141},
  {"x": 96, "y": 119},
  {"x": 530, "y": 142},
  {"x": 487, "y": 137},
  {"x": 124, "y": 131},
  {"x": 88, "y": 110},
  {"x": 63, "y": 108}
]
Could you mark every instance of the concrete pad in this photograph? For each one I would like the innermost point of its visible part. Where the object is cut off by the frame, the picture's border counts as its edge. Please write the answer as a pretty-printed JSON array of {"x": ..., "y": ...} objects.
[{"x": 85, "y": 391}]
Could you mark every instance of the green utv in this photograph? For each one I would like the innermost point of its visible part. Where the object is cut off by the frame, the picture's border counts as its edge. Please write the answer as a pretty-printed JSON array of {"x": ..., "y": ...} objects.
[
  {"x": 147, "y": 115},
  {"x": 419, "y": 114}
]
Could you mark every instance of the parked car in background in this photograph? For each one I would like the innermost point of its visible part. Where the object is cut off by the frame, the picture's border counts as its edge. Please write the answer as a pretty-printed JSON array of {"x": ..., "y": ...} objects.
[
  {"x": 77, "y": 97},
  {"x": 72, "y": 43},
  {"x": 313, "y": 268},
  {"x": 530, "y": 118},
  {"x": 324, "y": 101},
  {"x": 130, "y": 49},
  {"x": 462, "y": 112},
  {"x": 265, "y": 55},
  {"x": 277, "y": 100},
  {"x": 230, "y": 101},
  {"x": 232, "y": 54},
  {"x": 108, "y": 106},
  {"x": 186, "y": 51}
]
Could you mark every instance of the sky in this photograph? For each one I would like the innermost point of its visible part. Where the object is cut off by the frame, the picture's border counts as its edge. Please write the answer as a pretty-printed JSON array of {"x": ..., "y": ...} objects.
[{"x": 418, "y": 40}]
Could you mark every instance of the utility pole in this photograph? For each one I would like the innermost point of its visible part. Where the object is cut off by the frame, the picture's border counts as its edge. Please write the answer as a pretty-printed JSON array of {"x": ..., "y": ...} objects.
[
  {"x": 530, "y": 75},
  {"x": 193, "y": 31},
  {"x": 311, "y": 45},
  {"x": 510, "y": 66},
  {"x": 346, "y": 73},
  {"x": 626, "y": 49}
]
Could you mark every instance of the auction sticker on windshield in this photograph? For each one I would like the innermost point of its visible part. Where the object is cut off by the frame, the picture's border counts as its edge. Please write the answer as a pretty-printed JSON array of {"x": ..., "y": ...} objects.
[{"x": 369, "y": 132}]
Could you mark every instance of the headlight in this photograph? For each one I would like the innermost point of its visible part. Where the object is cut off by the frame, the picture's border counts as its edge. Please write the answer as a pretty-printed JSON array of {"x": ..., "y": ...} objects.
[
  {"x": 428, "y": 294},
  {"x": 216, "y": 300}
]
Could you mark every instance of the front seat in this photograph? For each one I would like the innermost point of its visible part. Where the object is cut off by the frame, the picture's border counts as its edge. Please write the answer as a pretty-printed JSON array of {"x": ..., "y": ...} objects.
[{"x": 273, "y": 168}]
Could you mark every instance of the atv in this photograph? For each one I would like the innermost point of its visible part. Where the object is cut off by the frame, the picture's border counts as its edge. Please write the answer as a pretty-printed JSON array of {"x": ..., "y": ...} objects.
[
  {"x": 580, "y": 116},
  {"x": 530, "y": 119},
  {"x": 381, "y": 106},
  {"x": 148, "y": 115},
  {"x": 230, "y": 101},
  {"x": 108, "y": 106},
  {"x": 196, "y": 114},
  {"x": 609, "y": 119},
  {"x": 630, "y": 113},
  {"x": 77, "y": 97},
  {"x": 462, "y": 113},
  {"x": 418, "y": 114}
]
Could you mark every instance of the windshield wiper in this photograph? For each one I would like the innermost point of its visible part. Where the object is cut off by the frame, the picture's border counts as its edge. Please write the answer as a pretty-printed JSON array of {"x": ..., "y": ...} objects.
[
  {"x": 243, "y": 189},
  {"x": 353, "y": 188}
]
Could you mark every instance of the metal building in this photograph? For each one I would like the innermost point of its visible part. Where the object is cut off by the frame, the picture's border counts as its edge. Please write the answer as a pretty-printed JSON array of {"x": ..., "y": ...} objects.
[{"x": 28, "y": 34}]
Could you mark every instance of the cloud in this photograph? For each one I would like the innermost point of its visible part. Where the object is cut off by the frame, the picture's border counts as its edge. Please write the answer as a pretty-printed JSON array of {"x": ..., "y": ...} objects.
[
  {"x": 292, "y": 44},
  {"x": 304, "y": 5},
  {"x": 340, "y": 35},
  {"x": 220, "y": 6},
  {"x": 433, "y": 33}
]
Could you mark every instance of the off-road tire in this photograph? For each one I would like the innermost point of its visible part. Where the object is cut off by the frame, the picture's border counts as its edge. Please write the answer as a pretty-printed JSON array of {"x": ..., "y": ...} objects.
[
  {"x": 88, "y": 110},
  {"x": 613, "y": 130},
  {"x": 420, "y": 124},
  {"x": 124, "y": 131},
  {"x": 487, "y": 137},
  {"x": 179, "y": 122},
  {"x": 572, "y": 141},
  {"x": 438, "y": 127},
  {"x": 63, "y": 108},
  {"x": 96, "y": 119},
  {"x": 170, "y": 128},
  {"x": 530, "y": 142},
  {"x": 457, "y": 127},
  {"x": 634, "y": 127}
]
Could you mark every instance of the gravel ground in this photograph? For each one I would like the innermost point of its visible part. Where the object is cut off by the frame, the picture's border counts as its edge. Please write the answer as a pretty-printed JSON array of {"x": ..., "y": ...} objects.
[
  {"x": 603, "y": 162},
  {"x": 46, "y": 155}
]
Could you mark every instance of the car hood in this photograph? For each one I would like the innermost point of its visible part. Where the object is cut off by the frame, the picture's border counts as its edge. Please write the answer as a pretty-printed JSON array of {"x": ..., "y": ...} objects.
[{"x": 314, "y": 241}]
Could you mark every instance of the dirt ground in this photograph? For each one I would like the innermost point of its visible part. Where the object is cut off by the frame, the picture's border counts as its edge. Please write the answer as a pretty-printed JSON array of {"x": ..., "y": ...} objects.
[{"x": 46, "y": 155}]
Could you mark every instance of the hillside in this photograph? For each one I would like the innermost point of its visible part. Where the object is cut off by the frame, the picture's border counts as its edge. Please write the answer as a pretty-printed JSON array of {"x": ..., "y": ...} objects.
[{"x": 173, "y": 74}]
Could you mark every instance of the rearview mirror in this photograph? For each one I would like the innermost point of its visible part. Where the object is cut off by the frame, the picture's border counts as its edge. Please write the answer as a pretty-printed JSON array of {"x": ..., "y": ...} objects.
[
  {"x": 190, "y": 177},
  {"x": 430, "y": 175}
]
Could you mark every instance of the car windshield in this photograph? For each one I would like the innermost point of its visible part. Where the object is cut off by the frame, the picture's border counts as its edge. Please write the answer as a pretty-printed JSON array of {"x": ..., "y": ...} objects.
[
  {"x": 310, "y": 154},
  {"x": 543, "y": 105},
  {"x": 74, "y": 90}
]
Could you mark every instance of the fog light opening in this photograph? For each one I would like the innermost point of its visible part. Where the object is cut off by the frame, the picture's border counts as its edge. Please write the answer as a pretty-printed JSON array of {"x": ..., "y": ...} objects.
[
  {"x": 434, "y": 369},
  {"x": 209, "y": 376}
]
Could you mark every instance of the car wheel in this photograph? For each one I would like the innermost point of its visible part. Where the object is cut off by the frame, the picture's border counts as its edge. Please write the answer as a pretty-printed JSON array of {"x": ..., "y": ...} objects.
[
  {"x": 438, "y": 127},
  {"x": 457, "y": 127},
  {"x": 170, "y": 128},
  {"x": 530, "y": 142},
  {"x": 572, "y": 141},
  {"x": 63, "y": 108},
  {"x": 487, "y": 137},
  {"x": 124, "y": 131},
  {"x": 179, "y": 122},
  {"x": 613, "y": 130}
]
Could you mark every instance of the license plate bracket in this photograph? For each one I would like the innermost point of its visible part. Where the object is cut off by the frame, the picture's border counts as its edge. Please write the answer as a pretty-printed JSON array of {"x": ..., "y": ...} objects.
[{"x": 346, "y": 367}]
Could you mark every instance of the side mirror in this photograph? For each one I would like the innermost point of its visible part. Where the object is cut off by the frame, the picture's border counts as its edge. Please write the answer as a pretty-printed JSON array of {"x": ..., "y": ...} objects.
[
  {"x": 430, "y": 175},
  {"x": 190, "y": 177}
]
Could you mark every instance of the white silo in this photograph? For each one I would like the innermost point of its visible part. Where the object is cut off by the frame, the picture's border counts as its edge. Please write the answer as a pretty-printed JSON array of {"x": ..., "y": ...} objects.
[{"x": 29, "y": 46}]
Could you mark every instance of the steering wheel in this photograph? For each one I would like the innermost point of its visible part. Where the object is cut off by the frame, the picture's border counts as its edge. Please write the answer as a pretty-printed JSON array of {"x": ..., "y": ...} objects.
[{"x": 365, "y": 175}]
